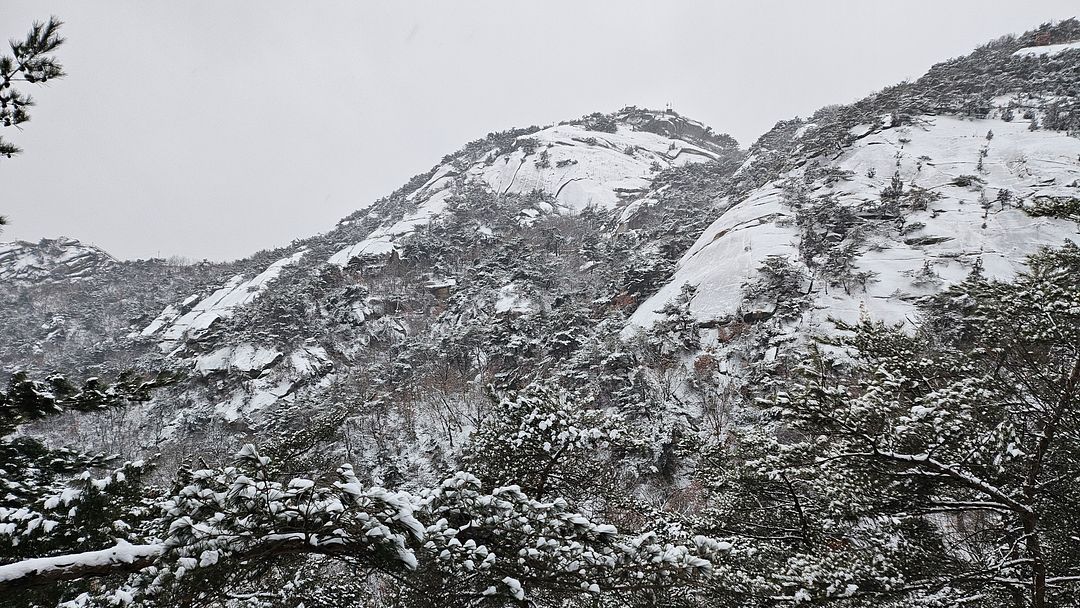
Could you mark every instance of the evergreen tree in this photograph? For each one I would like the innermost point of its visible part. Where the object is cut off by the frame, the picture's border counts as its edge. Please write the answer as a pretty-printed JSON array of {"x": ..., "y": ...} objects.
[
  {"x": 57, "y": 501},
  {"x": 32, "y": 62},
  {"x": 676, "y": 330},
  {"x": 933, "y": 468}
]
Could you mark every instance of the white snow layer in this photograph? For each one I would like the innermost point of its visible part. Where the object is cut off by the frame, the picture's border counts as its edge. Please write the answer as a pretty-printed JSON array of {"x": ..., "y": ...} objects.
[
  {"x": 244, "y": 358},
  {"x": 123, "y": 553},
  {"x": 511, "y": 300},
  {"x": 576, "y": 166},
  {"x": 1030, "y": 164},
  {"x": 305, "y": 362},
  {"x": 61, "y": 258},
  {"x": 220, "y": 304},
  {"x": 1050, "y": 49}
]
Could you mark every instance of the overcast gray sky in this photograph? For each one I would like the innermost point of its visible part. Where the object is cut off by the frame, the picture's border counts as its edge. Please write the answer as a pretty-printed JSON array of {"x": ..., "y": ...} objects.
[{"x": 212, "y": 129}]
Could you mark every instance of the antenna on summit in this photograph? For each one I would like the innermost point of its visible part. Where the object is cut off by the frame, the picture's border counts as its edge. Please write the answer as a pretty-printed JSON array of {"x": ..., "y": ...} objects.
[{"x": 667, "y": 109}]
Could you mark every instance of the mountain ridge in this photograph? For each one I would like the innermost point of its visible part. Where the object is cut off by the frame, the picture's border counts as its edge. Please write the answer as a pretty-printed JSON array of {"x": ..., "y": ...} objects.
[
  {"x": 62, "y": 258},
  {"x": 500, "y": 252}
]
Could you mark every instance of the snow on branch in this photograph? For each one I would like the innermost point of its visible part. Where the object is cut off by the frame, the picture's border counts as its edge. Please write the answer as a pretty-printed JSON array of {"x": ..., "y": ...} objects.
[{"x": 124, "y": 557}]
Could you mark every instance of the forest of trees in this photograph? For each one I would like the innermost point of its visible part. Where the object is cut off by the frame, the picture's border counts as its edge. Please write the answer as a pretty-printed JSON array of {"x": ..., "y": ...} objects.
[{"x": 889, "y": 468}]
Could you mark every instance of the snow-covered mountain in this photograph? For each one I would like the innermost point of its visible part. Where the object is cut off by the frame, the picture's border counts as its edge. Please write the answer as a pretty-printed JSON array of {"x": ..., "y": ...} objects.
[
  {"x": 50, "y": 260},
  {"x": 578, "y": 165},
  {"x": 362, "y": 288},
  {"x": 551, "y": 254},
  {"x": 971, "y": 191}
]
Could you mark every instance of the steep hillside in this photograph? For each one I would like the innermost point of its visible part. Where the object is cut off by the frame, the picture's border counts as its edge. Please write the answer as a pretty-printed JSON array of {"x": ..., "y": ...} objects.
[
  {"x": 577, "y": 165},
  {"x": 65, "y": 305},
  {"x": 903, "y": 211},
  {"x": 518, "y": 231},
  {"x": 50, "y": 260},
  {"x": 863, "y": 211}
]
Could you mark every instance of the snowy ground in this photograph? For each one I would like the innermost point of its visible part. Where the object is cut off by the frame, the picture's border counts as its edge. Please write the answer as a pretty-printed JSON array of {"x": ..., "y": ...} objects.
[
  {"x": 173, "y": 325},
  {"x": 1030, "y": 164},
  {"x": 1050, "y": 49},
  {"x": 576, "y": 166},
  {"x": 50, "y": 259}
]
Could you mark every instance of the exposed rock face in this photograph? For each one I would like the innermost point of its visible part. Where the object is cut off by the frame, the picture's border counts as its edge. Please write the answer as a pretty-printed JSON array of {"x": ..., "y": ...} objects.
[
  {"x": 967, "y": 201},
  {"x": 579, "y": 165},
  {"x": 50, "y": 260}
]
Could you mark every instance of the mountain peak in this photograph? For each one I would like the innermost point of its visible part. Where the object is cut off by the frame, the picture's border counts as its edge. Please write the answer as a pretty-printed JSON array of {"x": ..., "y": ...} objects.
[
  {"x": 666, "y": 122},
  {"x": 600, "y": 160},
  {"x": 51, "y": 260}
]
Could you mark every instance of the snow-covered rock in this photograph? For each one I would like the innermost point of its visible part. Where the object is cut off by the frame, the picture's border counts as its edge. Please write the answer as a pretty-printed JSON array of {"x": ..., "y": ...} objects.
[
  {"x": 245, "y": 358},
  {"x": 512, "y": 301},
  {"x": 938, "y": 153},
  {"x": 1047, "y": 50},
  {"x": 173, "y": 326},
  {"x": 586, "y": 167},
  {"x": 50, "y": 260},
  {"x": 577, "y": 166}
]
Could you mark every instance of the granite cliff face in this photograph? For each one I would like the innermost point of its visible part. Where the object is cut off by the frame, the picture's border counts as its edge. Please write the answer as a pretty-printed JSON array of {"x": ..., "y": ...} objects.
[{"x": 51, "y": 260}]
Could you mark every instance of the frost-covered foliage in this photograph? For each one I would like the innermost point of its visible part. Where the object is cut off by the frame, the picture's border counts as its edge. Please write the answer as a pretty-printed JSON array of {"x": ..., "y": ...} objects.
[
  {"x": 220, "y": 530},
  {"x": 890, "y": 468},
  {"x": 676, "y": 331},
  {"x": 32, "y": 62},
  {"x": 932, "y": 468},
  {"x": 830, "y": 236},
  {"x": 780, "y": 287},
  {"x": 1062, "y": 207},
  {"x": 60, "y": 500},
  {"x": 599, "y": 122},
  {"x": 547, "y": 443}
]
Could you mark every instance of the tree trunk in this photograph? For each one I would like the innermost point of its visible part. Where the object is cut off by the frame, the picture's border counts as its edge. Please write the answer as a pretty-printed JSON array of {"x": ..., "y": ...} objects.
[{"x": 1030, "y": 519}]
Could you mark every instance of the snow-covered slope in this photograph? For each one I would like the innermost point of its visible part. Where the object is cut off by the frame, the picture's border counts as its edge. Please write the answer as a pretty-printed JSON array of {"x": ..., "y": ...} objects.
[
  {"x": 951, "y": 157},
  {"x": 528, "y": 253},
  {"x": 603, "y": 162},
  {"x": 192, "y": 317},
  {"x": 577, "y": 165},
  {"x": 50, "y": 260}
]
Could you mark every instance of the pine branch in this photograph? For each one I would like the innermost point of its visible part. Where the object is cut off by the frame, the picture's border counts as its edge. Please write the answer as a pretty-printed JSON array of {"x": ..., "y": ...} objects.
[
  {"x": 31, "y": 61},
  {"x": 123, "y": 558},
  {"x": 8, "y": 150}
]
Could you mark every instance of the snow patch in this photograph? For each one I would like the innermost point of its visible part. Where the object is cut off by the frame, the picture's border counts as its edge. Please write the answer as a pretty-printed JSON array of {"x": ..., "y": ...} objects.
[
  {"x": 1048, "y": 50},
  {"x": 243, "y": 358},
  {"x": 123, "y": 553},
  {"x": 219, "y": 305},
  {"x": 511, "y": 300},
  {"x": 576, "y": 166},
  {"x": 964, "y": 225}
]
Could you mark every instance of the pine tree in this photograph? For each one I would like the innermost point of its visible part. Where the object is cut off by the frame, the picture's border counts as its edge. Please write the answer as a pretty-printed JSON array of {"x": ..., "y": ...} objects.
[
  {"x": 676, "y": 331},
  {"x": 57, "y": 501},
  {"x": 546, "y": 442},
  {"x": 780, "y": 284},
  {"x": 32, "y": 62},
  {"x": 958, "y": 443}
]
